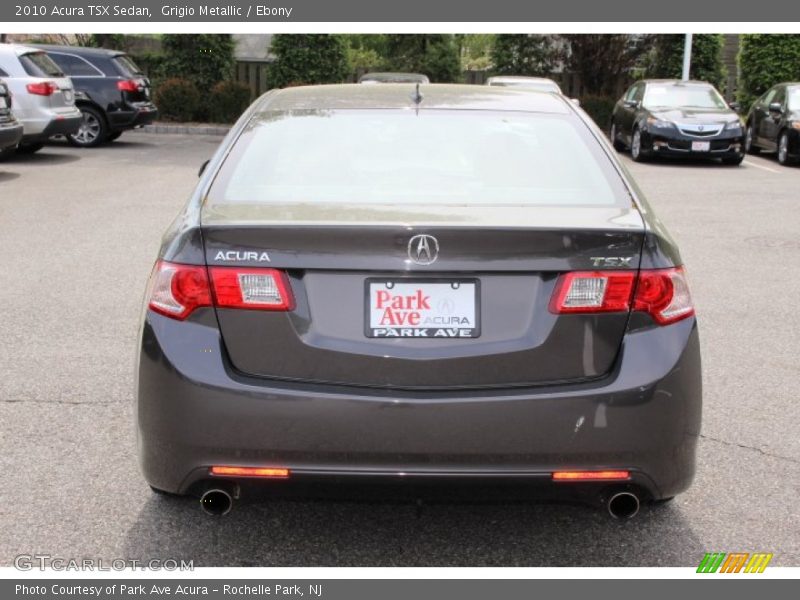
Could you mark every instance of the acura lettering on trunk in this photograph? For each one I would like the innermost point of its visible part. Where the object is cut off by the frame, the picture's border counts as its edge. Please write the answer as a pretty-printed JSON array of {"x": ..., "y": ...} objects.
[{"x": 464, "y": 285}]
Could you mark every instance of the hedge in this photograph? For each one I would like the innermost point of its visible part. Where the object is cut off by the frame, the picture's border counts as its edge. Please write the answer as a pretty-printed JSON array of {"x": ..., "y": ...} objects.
[
  {"x": 178, "y": 100},
  {"x": 764, "y": 60}
]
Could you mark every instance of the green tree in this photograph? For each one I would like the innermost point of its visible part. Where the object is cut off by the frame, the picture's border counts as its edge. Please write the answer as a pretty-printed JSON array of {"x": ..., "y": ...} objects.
[
  {"x": 666, "y": 59},
  {"x": 764, "y": 60},
  {"x": 203, "y": 59},
  {"x": 606, "y": 62},
  {"x": 435, "y": 55},
  {"x": 308, "y": 59},
  {"x": 475, "y": 50},
  {"x": 525, "y": 54}
]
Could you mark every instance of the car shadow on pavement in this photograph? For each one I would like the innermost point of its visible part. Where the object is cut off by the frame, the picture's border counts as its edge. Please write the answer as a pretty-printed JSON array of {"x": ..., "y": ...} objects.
[
  {"x": 43, "y": 157},
  {"x": 289, "y": 532},
  {"x": 7, "y": 176}
]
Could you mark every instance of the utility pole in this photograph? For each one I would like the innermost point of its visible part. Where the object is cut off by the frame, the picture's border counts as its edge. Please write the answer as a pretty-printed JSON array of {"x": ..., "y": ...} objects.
[{"x": 687, "y": 56}]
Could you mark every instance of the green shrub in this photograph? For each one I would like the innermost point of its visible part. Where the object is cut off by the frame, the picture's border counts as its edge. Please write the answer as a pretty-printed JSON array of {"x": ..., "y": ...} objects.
[
  {"x": 764, "y": 60},
  {"x": 178, "y": 100},
  {"x": 666, "y": 60},
  {"x": 434, "y": 55},
  {"x": 600, "y": 108},
  {"x": 203, "y": 59},
  {"x": 229, "y": 99},
  {"x": 308, "y": 59}
]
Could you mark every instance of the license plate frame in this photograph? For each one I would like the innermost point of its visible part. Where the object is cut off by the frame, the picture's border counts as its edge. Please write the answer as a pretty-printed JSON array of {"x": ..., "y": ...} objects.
[
  {"x": 437, "y": 332},
  {"x": 701, "y": 146}
]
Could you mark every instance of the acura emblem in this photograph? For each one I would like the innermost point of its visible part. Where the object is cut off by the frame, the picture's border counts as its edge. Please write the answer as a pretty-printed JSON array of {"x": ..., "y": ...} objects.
[
  {"x": 701, "y": 128},
  {"x": 423, "y": 249}
]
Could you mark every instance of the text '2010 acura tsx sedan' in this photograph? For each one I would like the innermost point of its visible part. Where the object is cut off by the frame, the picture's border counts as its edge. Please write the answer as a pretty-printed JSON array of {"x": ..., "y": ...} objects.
[{"x": 437, "y": 282}]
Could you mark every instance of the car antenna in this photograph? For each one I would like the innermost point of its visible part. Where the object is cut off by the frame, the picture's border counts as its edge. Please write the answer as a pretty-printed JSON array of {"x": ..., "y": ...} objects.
[{"x": 416, "y": 96}]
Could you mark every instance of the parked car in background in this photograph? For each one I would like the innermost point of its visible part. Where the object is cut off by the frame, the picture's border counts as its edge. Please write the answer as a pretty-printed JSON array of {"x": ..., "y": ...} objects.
[
  {"x": 10, "y": 127},
  {"x": 668, "y": 117},
  {"x": 43, "y": 97},
  {"x": 476, "y": 293},
  {"x": 773, "y": 123},
  {"x": 394, "y": 78},
  {"x": 542, "y": 84},
  {"x": 111, "y": 92}
]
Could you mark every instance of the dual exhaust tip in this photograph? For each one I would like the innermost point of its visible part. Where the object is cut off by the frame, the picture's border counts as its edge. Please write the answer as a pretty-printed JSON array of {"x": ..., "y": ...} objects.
[
  {"x": 621, "y": 505},
  {"x": 216, "y": 502}
]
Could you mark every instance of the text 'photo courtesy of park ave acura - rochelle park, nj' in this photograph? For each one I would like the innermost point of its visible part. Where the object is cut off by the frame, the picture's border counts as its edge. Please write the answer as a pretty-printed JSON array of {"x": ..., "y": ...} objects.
[{"x": 410, "y": 299}]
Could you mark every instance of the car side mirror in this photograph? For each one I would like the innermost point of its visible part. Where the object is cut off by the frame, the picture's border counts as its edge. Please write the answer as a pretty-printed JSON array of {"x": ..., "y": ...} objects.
[
  {"x": 735, "y": 106},
  {"x": 203, "y": 168},
  {"x": 631, "y": 104},
  {"x": 576, "y": 101},
  {"x": 775, "y": 108}
]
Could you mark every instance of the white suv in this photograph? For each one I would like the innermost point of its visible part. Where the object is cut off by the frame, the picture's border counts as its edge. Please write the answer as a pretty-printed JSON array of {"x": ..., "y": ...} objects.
[{"x": 44, "y": 99}]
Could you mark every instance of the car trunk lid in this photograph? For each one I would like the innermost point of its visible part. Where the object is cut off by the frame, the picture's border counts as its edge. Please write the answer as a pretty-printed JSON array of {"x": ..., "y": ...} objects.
[{"x": 504, "y": 259}]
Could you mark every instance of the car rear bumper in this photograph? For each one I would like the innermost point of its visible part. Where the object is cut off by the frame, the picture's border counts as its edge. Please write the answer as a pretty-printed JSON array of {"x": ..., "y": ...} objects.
[
  {"x": 674, "y": 143},
  {"x": 10, "y": 134},
  {"x": 129, "y": 119},
  {"x": 58, "y": 124},
  {"x": 194, "y": 411}
]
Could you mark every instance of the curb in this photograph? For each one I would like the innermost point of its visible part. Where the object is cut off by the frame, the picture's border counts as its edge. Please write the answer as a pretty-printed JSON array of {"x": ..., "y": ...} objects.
[{"x": 219, "y": 130}]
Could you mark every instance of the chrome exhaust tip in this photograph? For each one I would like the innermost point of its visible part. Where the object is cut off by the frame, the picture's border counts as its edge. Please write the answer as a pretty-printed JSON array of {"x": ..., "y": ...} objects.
[
  {"x": 623, "y": 505},
  {"x": 216, "y": 502}
]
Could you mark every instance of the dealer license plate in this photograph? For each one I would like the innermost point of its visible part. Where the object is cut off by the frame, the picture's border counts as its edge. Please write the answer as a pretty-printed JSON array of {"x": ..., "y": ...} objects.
[{"x": 422, "y": 308}]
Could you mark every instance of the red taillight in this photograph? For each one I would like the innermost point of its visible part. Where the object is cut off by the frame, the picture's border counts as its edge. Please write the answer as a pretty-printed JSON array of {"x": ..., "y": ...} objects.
[
  {"x": 593, "y": 291},
  {"x": 267, "y": 472},
  {"x": 177, "y": 290},
  {"x": 128, "y": 85},
  {"x": 590, "y": 475},
  {"x": 662, "y": 293},
  {"x": 260, "y": 289},
  {"x": 42, "y": 88}
]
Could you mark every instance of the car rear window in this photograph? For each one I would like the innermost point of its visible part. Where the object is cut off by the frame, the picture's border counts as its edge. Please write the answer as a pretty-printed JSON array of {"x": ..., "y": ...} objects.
[
  {"x": 127, "y": 67},
  {"x": 431, "y": 157},
  {"x": 38, "y": 64},
  {"x": 75, "y": 66},
  {"x": 691, "y": 96}
]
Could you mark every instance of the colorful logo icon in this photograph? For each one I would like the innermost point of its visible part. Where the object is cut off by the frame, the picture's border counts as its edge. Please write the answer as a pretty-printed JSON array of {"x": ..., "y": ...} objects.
[{"x": 734, "y": 562}]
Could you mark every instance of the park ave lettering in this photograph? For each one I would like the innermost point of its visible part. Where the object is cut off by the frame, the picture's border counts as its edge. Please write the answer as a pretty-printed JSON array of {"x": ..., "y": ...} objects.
[{"x": 401, "y": 310}]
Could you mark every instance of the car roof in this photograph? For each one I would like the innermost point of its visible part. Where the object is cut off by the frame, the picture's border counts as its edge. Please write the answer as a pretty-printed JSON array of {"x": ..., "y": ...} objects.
[
  {"x": 79, "y": 50},
  {"x": 17, "y": 49},
  {"x": 401, "y": 95},
  {"x": 690, "y": 82},
  {"x": 520, "y": 78}
]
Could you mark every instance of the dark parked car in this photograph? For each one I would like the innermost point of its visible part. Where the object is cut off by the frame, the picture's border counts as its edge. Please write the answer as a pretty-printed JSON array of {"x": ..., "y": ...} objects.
[
  {"x": 110, "y": 90},
  {"x": 666, "y": 117},
  {"x": 10, "y": 128},
  {"x": 773, "y": 123},
  {"x": 456, "y": 285}
]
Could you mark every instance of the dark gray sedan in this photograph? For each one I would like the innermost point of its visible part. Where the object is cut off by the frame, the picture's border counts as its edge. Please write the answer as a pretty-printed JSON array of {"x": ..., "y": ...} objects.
[{"x": 418, "y": 283}]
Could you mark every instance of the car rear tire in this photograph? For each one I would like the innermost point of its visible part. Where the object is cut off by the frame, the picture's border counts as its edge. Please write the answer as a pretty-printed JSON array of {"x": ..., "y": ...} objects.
[
  {"x": 733, "y": 160},
  {"x": 637, "y": 153},
  {"x": 93, "y": 130},
  {"x": 783, "y": 149},
  {"x": 29, "y": 148},
  {"x": 113, "y": 136},
  {"x": 615, "y": 141},
  {"x": 749, "y": 147}
]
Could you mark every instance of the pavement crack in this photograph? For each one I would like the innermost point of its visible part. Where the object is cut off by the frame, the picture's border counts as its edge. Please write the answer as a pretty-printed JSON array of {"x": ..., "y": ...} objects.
[
  {"x": 746, "y": 447},
  {"x": 62, "y": 402}
]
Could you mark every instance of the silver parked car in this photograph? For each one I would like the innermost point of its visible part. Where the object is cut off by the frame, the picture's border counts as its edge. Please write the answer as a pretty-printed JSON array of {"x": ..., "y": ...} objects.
[
  {"x": 44, "y": 99},
  {"x": 542, "y": 84}
]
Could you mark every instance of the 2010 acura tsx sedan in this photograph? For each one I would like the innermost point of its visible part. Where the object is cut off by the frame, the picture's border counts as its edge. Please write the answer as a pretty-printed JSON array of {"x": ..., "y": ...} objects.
[{"x": 433, "y": 282}]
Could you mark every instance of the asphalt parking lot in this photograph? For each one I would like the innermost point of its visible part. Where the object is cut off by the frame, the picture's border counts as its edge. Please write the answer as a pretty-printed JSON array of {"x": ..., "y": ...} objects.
[{"x": 79, "y": 230}]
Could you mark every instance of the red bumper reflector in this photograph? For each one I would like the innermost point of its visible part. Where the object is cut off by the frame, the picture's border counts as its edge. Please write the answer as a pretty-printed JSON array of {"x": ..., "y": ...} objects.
[
  {"x": 590, "y": 475},
  {"x": 269, "y": 472}
]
